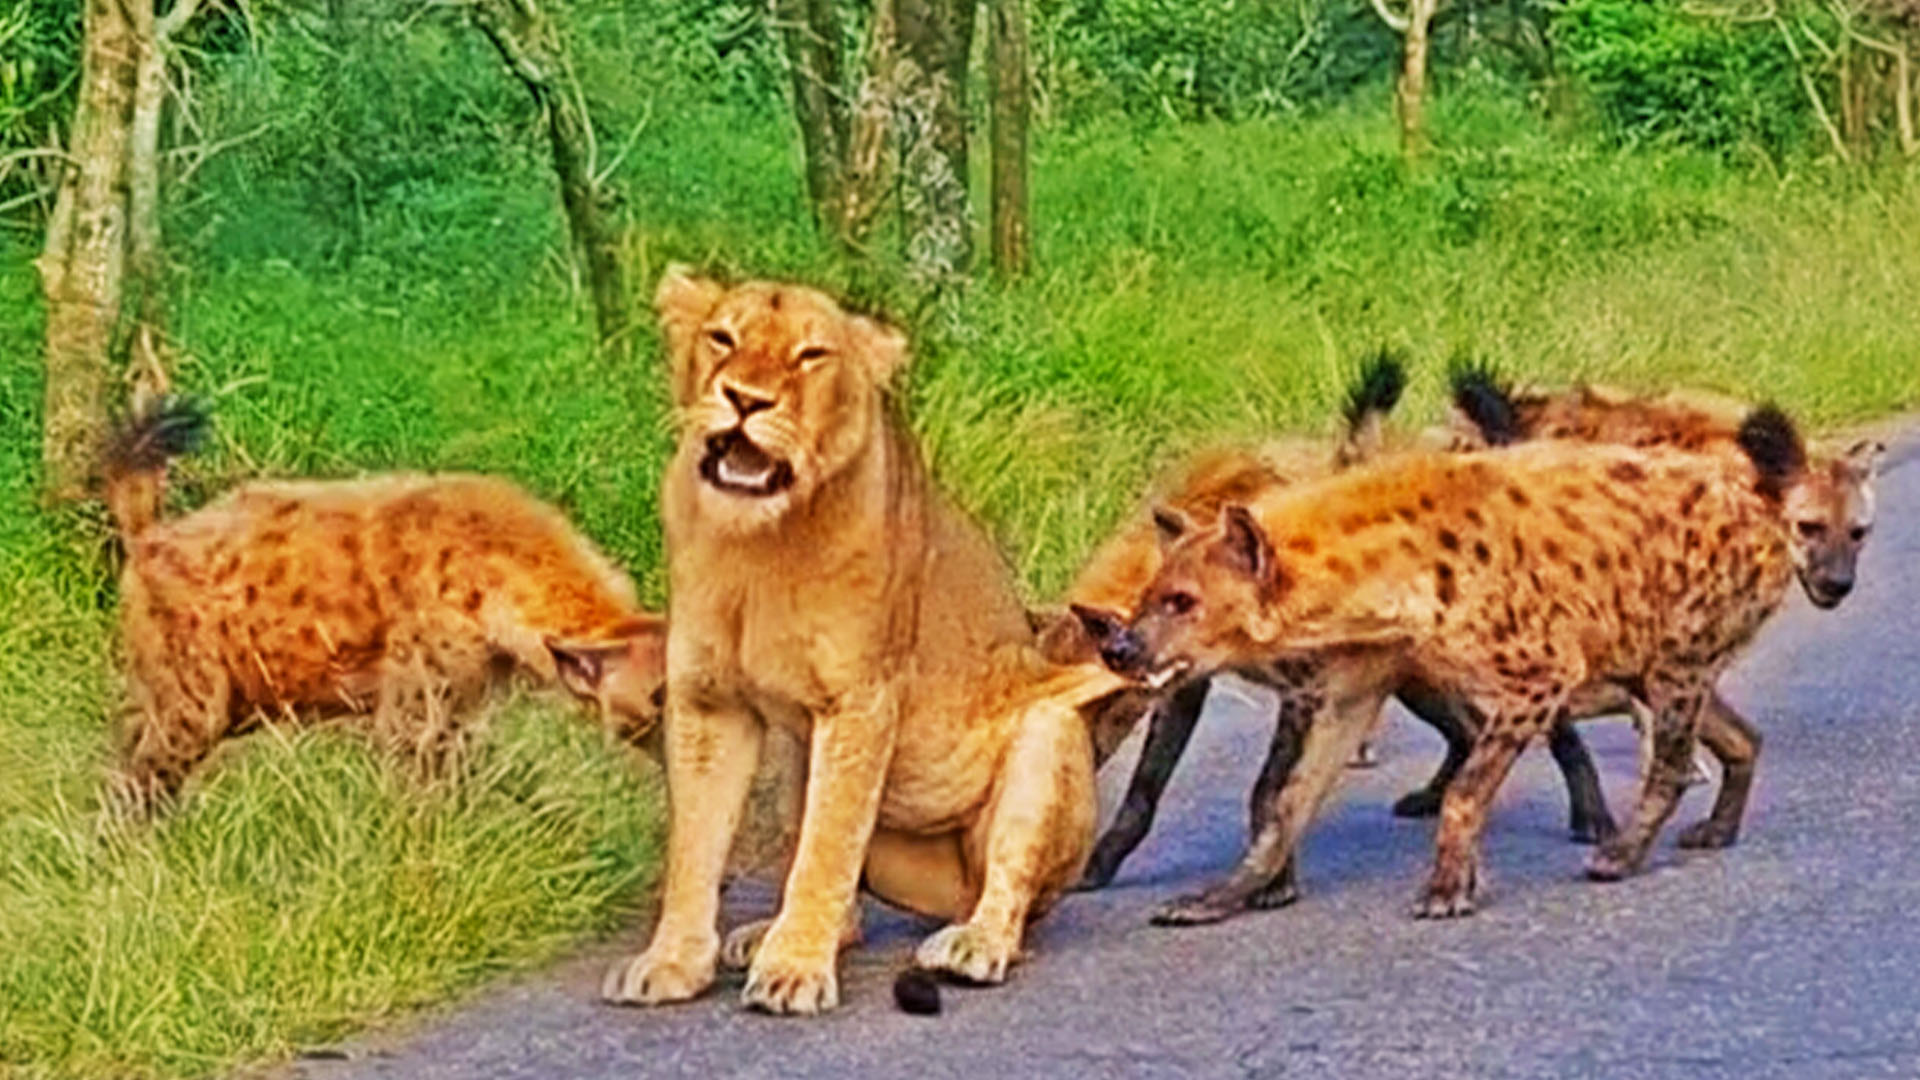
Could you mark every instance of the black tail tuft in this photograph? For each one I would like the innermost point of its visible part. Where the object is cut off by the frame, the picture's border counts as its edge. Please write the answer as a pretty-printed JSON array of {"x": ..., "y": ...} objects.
[
  {"x": 1377, "y": 389},
  {"x": 171, "y": 426},
  {"x": 1773, "y": 445},
  {"x": 917, "y": 991},
  {"x": 1485, "y": 400}
]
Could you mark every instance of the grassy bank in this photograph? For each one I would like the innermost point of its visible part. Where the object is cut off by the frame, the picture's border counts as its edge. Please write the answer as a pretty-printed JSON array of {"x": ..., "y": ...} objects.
[{"x": 1195, "y": 282}]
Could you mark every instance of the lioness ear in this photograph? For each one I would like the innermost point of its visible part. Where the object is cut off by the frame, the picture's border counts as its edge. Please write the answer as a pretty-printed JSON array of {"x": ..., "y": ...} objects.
[
  {"x": 1169, "y": 524},
  {"x": 883, "y": 347},
  {"x": 683, "y": 301},
  {"x": 1244, "y": 544},
  {"x": 1863, "y": 458}
]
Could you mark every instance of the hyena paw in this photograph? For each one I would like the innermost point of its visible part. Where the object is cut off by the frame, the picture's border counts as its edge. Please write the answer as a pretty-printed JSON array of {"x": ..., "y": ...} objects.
[
  {"x": 1199, "y": 909},
  {"x": 968, "y": 953},
  {"x": 1279, "y": 894},
  {"x": 1610, "y": 862},
  {"x": 736, "y": 952},
  {"x": 791, "y": 987},
  {"x": 1418, "y": 804},
  {"x": 1709, "y": 834},
  {"x": 1098, "y": 875},
  {"x": 650, "y": 979},
  {"x": 1447, "y": 896}
]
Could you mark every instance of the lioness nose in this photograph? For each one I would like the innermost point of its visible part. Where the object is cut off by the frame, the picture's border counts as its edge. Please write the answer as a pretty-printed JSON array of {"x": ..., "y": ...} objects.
[{"x": 744, "y": 403}]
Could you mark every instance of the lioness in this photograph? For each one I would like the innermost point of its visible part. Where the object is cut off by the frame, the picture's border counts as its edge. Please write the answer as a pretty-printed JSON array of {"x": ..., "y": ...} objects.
[{"x": 820, "y": 583}]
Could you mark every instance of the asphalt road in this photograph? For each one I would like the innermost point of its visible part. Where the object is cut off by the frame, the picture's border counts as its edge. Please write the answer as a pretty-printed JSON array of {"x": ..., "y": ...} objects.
[{"x": 1794, "y": 954}]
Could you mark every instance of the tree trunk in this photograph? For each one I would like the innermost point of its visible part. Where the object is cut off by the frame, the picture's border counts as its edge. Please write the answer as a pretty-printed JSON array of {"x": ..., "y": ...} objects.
[
  {"x": 1010, "y": 105},
  {"x": 935, "y": 37},
  {"x": 143, "y": 166},
  {"x": 1412, "y": 89},
  {"x": 533, "y": 52},
  {"x": 1903, "y": 98},
  {"x": 867, "y": 171},
  {"x": 811, "y": 36},
  {"x": 82, "y": 268}
]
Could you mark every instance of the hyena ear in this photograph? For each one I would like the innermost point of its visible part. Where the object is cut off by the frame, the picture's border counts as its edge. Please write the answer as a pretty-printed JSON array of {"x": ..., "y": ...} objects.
[
  {"x": 683, "y": 301},
  {"x": 883, "y": 347},
  {"x": 1243, "y": 544},
  {"x": 624, "y": 671},
  {"x": 1863, "y": 458},
  {"x": 1169, "y": 524}
]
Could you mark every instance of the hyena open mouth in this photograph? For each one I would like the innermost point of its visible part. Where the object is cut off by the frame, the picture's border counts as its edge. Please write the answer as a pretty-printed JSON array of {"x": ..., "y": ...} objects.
[{"x": 734, "y": 464}]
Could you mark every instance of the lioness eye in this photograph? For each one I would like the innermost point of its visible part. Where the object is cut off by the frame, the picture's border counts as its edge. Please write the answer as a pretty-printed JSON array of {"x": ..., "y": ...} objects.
[
  {"x": 720, "y": 338},
  {"x": 812, "y": 353},
  {"x": 1812, "y": 530},
  {"x": 1178, "y": 603}
]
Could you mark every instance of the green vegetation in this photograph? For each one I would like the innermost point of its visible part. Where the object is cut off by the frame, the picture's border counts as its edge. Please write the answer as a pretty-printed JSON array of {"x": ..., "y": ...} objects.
[{"x": 378, "y": 281}]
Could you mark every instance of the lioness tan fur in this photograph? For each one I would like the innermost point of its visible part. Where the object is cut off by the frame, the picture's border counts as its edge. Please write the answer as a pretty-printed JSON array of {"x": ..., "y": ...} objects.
[{"x": 822, "y": 585}]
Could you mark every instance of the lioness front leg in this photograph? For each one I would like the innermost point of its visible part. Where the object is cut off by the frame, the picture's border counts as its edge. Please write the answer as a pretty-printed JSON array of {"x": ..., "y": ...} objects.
[
  {"x": 1032, "y": 840},
  {"x": 848, "y": 756},
  {"x": 712, "y": 750}
]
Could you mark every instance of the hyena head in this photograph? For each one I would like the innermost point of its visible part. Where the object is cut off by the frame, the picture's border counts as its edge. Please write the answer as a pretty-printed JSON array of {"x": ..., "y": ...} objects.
[
  {"x": 1216, "y": 587},
  {"x": 1829, "y": 513},
  {"x": 625, "y": 673},
  {"x": 1827, "y": 504}
]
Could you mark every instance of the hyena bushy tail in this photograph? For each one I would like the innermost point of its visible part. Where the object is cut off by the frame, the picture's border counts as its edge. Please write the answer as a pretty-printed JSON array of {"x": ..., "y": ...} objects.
[
  {"x": 1375, "y": 390},
  {"x": 1486, "y": 402},
  {"x": 136, "y": 459}
]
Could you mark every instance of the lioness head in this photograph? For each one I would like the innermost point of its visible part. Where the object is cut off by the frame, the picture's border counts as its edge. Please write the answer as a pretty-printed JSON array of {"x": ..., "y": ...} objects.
[
  {"x": 1206, "y": 608},
  {"x": 778, "y": 389},
  {"x": 1829, "y": 512}
]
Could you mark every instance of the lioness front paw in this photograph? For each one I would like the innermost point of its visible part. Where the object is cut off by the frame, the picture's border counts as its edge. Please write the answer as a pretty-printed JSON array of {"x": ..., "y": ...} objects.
[
  {"x": 967, "y": 952},
  {"x": 647, "y": 979},
  {"x": 791, "y": 987}
]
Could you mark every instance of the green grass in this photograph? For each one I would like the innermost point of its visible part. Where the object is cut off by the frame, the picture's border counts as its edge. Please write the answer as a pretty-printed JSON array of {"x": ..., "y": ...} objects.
[{"x": 1195, "y": 283}]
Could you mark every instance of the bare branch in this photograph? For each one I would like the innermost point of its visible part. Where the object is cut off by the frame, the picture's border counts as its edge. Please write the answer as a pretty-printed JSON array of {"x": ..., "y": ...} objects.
[
  {"x": 201, "y": 152},
  {"x": 174, "y": 20},
  {"x": 646, "y": 116},
  {"x": 9, "y": 159},
  {"x": 1399, "y": 23}
]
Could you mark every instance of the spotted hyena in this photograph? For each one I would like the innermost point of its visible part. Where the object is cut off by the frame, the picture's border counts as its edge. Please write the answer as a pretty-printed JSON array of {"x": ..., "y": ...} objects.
[
  {"x": 397, "y": 596},
  {"x": 1510, "y": 580},
  {"x": 1102, "y": 595}
]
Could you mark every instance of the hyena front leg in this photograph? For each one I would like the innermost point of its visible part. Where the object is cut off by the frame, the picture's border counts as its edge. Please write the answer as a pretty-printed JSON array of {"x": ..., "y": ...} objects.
[
  {"x": 1326, "y": 742},
  {"x": 1736, "y": 743},
  {"x": 1675, "y": 700},
  {"x": 1168, "y": 732},
  {"x": 1456, "y": 862}
]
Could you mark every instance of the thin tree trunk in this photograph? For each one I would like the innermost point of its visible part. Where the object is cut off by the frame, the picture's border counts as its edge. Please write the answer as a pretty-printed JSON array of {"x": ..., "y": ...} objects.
[
  {"x": 143, "y": 165},
  {"x": 1010, "y": 105},
  {"x": 1413, "y": 77},
  {"x": 1903, "y": 99},
  {"x": 867, "y": 172},
  {"x": 935, "y": 37},
  {"x": 533, "y": 52},
  {"x": 811, "y": 36},
  {"x": 82, "y": 267}
]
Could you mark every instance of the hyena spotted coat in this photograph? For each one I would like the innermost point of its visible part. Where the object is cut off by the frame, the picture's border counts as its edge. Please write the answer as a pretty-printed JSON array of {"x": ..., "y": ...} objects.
[
  {"x": 397, "y": 595},
  {"x": 1510, "y": 580}
]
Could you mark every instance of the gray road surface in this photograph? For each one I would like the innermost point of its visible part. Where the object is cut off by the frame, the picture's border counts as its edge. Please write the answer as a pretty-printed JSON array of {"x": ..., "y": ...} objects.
[{"x": 1795, "y": 954}]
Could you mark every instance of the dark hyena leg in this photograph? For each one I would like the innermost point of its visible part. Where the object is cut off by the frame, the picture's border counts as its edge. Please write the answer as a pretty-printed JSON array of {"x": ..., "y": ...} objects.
[
  {"x": 1167, "y": 735},
  {"x": 1456, "y": 860},
  {"x": 1675, "y": 703},
  {"x": 1736, "y": 744},
  {"x": 1446, "y": 716},
  {"x": 1283, "y": 753},
  {"x": 1328, "y": 744},
  {"x": 1588, "y": 818}
]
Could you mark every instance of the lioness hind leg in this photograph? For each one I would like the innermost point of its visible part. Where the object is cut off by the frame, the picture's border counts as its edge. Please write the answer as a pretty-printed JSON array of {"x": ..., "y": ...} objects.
[
  {"x": 1029, "y": 845},
  {"x": 712, "y": 749}
]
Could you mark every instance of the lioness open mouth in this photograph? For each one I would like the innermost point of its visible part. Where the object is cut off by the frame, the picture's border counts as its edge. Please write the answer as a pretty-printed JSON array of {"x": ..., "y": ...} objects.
[{"x": 732, "y": 463}]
